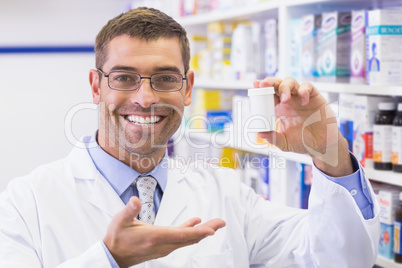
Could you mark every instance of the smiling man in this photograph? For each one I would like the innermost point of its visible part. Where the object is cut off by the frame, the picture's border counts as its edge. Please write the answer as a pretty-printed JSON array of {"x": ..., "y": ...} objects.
[
  {"x": 140, "y": 125},
  {"x": 124, "y": 203}
]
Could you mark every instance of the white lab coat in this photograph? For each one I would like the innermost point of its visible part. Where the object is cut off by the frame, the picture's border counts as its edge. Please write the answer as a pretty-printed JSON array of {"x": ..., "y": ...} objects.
[{"x": 58, "y": 215}]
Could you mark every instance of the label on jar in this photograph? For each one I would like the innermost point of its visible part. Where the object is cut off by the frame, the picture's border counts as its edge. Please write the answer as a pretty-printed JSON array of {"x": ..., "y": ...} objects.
[
  {"x": 397, "y": 237},
  {"x": 382, "y": 143},
  {"x": 397, "y": 145}
]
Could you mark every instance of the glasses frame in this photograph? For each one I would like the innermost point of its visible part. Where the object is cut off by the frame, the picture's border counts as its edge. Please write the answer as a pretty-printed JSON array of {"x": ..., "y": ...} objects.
[{"x": 140, "y": 82}]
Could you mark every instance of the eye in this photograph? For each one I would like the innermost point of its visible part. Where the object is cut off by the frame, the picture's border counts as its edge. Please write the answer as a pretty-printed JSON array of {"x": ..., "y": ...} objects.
[
  {"x": 124, "y": 78},
  {"x": 167, "y": 78}
]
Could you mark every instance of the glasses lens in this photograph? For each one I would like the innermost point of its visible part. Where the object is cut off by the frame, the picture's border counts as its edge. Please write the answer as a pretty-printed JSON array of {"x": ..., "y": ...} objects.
[
  {"x": 167, "y": 82},
  {"x": 124, "y": 80}
]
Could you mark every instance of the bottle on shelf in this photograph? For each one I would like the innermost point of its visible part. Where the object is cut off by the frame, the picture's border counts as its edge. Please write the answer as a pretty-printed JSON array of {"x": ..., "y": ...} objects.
[
  {"x": 397, "y": 141},
  {"x": 382, "y": 136},
  {"x": 397, "y": 232}
]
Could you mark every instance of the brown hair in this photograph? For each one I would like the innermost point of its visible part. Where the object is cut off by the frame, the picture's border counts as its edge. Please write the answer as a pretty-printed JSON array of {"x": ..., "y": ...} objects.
[{"x": 144, "y": 23}]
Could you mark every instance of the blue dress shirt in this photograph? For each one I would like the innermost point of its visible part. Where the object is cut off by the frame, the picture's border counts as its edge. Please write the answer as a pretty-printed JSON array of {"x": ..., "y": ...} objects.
[{"x": 120, "y": 177}]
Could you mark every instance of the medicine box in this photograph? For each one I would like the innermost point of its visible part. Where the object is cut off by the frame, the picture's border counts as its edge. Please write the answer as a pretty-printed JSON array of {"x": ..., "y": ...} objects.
[
  {"x": 364, "y": 110},
  {"x": 358, "y": 48},
  {"x": 334, "y": 64},
  {"x": 295, "y": 49},
  {"x": 388, "y": 200},
  {"x": 271, "y": 47},
  {"x": 345, "y": 121},
  {"x": 383, "y": 47},
  {"x": 285, "y": 182},
  {"x": 310, "y": 25}
]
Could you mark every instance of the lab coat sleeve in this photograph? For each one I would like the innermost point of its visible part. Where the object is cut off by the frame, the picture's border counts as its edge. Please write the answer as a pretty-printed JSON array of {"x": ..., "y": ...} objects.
[
  {"x": 20, "y": 234},
  {"x": 332, "y": 233},
  {"x": 16, "y": 239}
]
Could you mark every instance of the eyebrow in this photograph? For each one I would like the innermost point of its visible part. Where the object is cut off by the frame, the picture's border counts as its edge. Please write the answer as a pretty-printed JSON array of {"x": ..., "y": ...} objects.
[
  {"x": 124, "y": 68},
  {"x": 165, "y": 68}
]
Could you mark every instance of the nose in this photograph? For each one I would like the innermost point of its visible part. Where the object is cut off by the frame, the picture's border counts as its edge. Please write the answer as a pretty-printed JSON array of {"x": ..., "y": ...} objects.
[{"x": 145, "y": 95}]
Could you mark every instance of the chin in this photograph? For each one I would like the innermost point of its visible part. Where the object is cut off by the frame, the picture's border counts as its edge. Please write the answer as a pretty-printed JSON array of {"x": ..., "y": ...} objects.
[{"x": 144, "y": 150}]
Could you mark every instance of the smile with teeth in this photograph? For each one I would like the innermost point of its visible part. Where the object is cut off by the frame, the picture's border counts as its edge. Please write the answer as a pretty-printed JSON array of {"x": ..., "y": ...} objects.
[{"x": 140, "y": 120}]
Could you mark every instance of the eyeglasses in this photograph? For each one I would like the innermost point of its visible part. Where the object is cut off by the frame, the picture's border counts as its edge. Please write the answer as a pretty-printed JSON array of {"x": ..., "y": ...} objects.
[{"x": 127, "y": 81}]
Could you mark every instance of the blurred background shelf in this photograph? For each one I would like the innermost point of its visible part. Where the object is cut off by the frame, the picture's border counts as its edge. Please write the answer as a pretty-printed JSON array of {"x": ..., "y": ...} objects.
[
  {"x": 383, "y": 262},
  {"x": 234, "y": 14},
  {"x": 389, "y": 177},
  {"x": 359, "y": 89},
  {"x": 323, "y": 87},
  {"x": 222, "y": 139}
]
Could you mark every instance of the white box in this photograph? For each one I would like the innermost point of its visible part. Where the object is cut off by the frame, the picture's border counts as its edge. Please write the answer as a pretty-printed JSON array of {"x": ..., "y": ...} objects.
[
  {"x": 384, "y": 46},
  {"x": 358, "y": 48},
  {"x": 284, "y": 182},
  {"x": 310, "y": 25},
  {"x": 364, "y": 110},
  {"x": 345, "y": 121},
  {"x": 334, "y": 64},
  {"x": 271, "y": 47},
  {"x": 295, "y": 48},
  {"x": 389, "y": 200}
]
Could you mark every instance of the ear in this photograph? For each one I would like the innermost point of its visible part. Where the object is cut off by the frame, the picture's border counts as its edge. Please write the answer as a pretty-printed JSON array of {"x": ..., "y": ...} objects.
[
  {"x": 189, "y": 88},
  {"x": 94, "y": 82}
]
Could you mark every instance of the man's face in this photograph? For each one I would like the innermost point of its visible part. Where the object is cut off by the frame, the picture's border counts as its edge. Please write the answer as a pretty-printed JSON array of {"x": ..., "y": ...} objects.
[{"x": 143, "y": 120}]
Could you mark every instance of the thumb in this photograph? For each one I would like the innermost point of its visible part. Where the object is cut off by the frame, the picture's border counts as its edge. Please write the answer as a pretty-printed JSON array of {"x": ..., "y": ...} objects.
[
  {"x": 131, "y": 210},
  {"x": 275, "y": 138}
]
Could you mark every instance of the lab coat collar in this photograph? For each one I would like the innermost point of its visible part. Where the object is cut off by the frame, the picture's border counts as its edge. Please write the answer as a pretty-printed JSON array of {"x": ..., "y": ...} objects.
[
  {"x": 174, "y": 200},
  {"x": 79, "y": 158},
  {"x": 102, "y": 194}
]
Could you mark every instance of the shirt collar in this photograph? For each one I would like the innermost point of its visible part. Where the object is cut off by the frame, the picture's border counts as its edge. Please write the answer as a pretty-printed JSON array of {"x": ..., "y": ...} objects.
[{"x": 119, "y": 175}]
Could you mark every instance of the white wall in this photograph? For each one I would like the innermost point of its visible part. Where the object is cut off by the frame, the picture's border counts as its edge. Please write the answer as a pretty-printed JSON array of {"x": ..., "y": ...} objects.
[{"x": 38, "y": 90}]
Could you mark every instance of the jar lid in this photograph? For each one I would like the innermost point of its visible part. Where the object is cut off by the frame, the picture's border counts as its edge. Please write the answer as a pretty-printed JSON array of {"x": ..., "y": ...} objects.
[
  {"x": 261, "y": 91},
  {"x": 386, "y": 106}
]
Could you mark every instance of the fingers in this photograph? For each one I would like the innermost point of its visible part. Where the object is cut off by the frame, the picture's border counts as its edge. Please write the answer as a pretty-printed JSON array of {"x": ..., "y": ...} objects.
[
  {"x": 287, "y": 88},
  {"x": 215, "y": 224},
  {"x": 268, "y": 82},
  {"x": 191, "y": 222},
  {"x": 130, "y": 211},
  {"x": 290, "y": 87},
  {"x": 188, "y": 233},
  {"x": 307, "y": 91}
]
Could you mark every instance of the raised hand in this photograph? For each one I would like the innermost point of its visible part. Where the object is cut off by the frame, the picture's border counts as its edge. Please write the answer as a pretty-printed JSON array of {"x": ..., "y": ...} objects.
[{"x": 307, "y": 125}]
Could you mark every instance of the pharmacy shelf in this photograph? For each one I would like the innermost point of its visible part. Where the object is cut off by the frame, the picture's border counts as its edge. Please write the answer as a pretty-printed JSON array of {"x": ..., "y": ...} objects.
[
  {"x": 221, "y": 140},
  {"x": 359, "y": 89},
  {"x": 323, "y": 87},
  {"x": 338, "y": 3},
  {"x": 223, "y": 85},
  {"x": 303, "y": 7},
  {"x": 383, "y": 262},
  {"x": 233, "y": 14},
  {"x": 388, "y": 177}
]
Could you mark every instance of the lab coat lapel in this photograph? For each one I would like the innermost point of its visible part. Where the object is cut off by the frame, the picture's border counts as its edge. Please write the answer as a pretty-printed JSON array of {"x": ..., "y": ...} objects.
[
  {"x": 104, "y": 197},
  {"x": 101, "y": 193},
  {"x": 174, "y": 201}
]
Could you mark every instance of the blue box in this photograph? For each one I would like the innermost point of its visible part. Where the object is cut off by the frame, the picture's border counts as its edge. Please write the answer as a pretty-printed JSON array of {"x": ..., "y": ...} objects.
[{"x": 386, "y": 246}]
